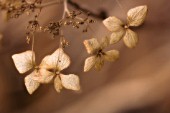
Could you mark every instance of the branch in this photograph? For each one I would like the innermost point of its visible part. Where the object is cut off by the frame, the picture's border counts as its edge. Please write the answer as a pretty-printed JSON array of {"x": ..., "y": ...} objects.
[{"x": 102, "y": 15}]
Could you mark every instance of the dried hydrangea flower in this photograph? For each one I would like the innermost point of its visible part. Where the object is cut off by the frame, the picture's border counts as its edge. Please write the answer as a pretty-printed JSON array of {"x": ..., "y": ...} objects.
[
  {"x": 53, "y": 65},
  {"x": 135, "y": 17},
  {"x": 24, "y": 62},
  {"x": 50, "y": 67},
  {"x": 95, "y": 48},
  {"x": 74, "y": 19}
]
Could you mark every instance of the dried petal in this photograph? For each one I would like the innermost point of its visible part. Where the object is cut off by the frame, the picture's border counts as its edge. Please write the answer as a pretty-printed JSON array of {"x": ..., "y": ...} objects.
[
  {"x": 137, "y": 15},
  {"x": 92, "y": 45},
  {"x": 43, "y": 76},
  {"x": 47, "y": 63},
  {"x": 113, "y": 23},
  {"x": 111, "y": 55},
  {"x": 130, "y": 39},
  {"x": 89, "y": 63},
  {"x": 31, "y": 85},
  {"x": 23, "y": 61},
  {"x": 58, "y": 60},
  {"x": 116, "y": 36},
  {"x": 57, "y": 84},
  {"x": 70, "y": 81},
  {"x": 104, "y": 42},
  {"x": 99, "y": 63}
]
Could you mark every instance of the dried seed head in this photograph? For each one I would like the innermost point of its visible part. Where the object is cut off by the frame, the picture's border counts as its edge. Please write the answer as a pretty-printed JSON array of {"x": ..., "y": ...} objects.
[
  {"x": 15, "y": 8},
  {"x": 33, "y": 25},
  {"x": 64, "y": 43},
  {"x": 54, "y": 28}
]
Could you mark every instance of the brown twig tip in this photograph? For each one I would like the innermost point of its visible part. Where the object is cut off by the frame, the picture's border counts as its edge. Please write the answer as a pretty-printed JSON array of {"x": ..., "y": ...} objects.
[{"x": 102, "y": 14}]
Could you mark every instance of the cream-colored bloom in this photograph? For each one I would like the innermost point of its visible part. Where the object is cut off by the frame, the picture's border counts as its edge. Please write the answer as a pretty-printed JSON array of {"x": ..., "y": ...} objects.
[
  {"x": 53, "y": 65},
  {"x": 30, "y": 83},
  {"x": 24, "y": 62},
  {"x": 95, "y": 48},
  {"x": 50, "y": 67},
  {"x": 135, "y": 17}
]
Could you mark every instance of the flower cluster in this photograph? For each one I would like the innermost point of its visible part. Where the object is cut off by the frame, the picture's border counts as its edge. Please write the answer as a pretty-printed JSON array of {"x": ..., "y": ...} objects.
[
  {"x": 15, "y": 8},
  {"x": 96, "y": 49},
  {"x": 73, "y": 19},
  {"x": 49, "y": 69},
  {"x": 135, "y": 17}
]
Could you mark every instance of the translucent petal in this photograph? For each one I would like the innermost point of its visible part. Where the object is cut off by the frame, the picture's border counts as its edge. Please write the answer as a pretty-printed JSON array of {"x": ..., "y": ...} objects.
[
  {"x": 47, "y": 63},
  {"x": 99, "y": 63},
  {"x": 70, "y": 81},
  {"x": 58, "y": 60},
  {"x": 130, "y": 39},
  {"x": 31, "y": 85},
  {"x": 104, "y": 42},
  {"x": 57, "y": 84},
  {"x": 137, "y": 15},
  {"x": 23, "y": 61},
  {"x": 89, "y": 63},
  {"x": 111, "y": 55},
  {"x": 117, "y": 36},
  {"x": 113, "y": 23},
  {"x": 92, "y": 45},
  {"x": 43, "y": 76}
]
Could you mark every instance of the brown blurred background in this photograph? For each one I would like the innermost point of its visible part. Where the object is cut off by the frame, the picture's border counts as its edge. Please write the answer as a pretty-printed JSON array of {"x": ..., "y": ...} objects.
[{"x": 139, "y": 82}]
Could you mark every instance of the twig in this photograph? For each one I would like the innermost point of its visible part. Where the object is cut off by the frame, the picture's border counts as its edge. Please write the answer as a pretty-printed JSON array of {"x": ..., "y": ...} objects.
[
  {"x": 102, "y": 15},
  {"x": 32, "y": 48},
  {"x": 65, "y": 9}
]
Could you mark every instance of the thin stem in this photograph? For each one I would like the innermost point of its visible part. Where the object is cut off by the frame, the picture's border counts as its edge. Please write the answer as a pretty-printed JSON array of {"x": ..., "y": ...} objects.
[
  {"x": 66, "y": 7},
  {"x": 32, "y": 48},
  {"x": 102, "y": 14},
  {"x": 61, "y": 31}
]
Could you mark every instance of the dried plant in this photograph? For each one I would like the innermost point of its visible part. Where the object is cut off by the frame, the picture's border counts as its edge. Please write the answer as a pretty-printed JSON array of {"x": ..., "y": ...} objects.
[
  {"x": 135, "y": 17},
  {"x": 98, "y": 55},
  {"x": 15, "y": 8},
  {"x": 49, "y": 70},
  {"x": 51, "y": 66}
]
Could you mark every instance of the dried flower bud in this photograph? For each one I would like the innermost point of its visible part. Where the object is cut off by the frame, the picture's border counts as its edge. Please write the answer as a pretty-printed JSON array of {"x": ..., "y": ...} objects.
[{"x": 64, "y": 43}]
